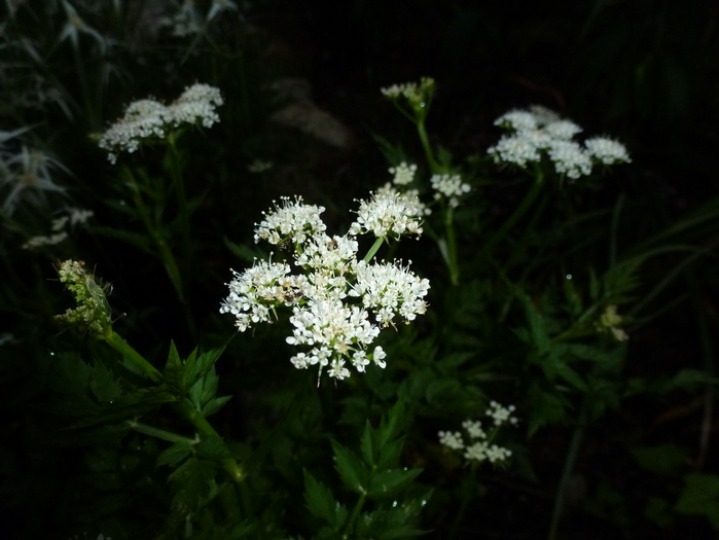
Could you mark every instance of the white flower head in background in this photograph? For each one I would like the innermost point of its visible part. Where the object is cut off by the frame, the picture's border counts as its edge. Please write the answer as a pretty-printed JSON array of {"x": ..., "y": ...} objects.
[
  {"x": 475, "y": 442},
  {"x": 339, "y": 304},
  {"x": 450, "y": 187},
  {"x": 149, "y": 119},
  {"x": 540, "y": 133},
  {"x": 403, "y": 173},
  {"x": 60, "y": 227}
]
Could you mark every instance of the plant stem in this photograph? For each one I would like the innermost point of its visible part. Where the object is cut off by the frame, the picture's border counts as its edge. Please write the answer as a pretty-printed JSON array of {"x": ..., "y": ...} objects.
[
  {"x": 353, "y": 517},
  {"x": 451, "y": 256},
  {"x": 373, "y": 250},
  {"x": 159, "y": 433},
  {"x": 424, "y": 138},
  {"x": 134, "y": 357},
  {"x": 175, "y": 169},
  {"x": 529, "y": 198},
  {"x": 188, "y": 411},
  {"x": 231, "y": 467},
  {"x": 466, "y": 499},
  {"x": 205, "y": 429},
  {"x": 569, "y": 462},
  {"x": 166, "y": 255}
]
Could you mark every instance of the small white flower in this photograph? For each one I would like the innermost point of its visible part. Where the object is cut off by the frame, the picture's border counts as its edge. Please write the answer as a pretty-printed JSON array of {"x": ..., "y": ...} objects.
[
  {"x": 501, "y": 415},
  {"x": 403, "y": 173},
  {"x": 562, "y": 129},
  {"x": 449, "y": 186},
  {"x": 40, "y": 241},
  {"x": 494, "y": 453},
  {"x": 196, "y": 105},
  {"x": 474, "y": 429},
  {"x": 148, "y": 119},
  {"x": 294, "y": 221},
  {"x": 569, "y": 158},
  {"x": 389, "y": 290},
  {"x": 541, "y": 132},
  {"x": 390, "y": 212},
  {"x": 607, "y": 151},
  {"x": 415, "y": 93},
  {"x": 516, "y": 149},
  {"x": 476, "y": 451},
  {"x": 451, "y": 439},
  {"x": 256, "y": 291},
  {"x": 517, "y": 120}
]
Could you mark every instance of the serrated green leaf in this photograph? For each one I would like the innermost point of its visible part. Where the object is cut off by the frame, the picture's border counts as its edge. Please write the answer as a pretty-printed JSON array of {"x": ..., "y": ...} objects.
[
  {"x": 367, "y": 445},
  {"x": 387, "y": 483},
  {"x": 204, "y": 389},
  {"x": 319, "y": 499},
  {"x": 545, "y": 408},
  {"x": 212, "y": 448},
  {"x": 214, "y": 405},
  {"x": 173, "y": 369},
  {"x": 351, "y": 470},
  {"x": 103, "y": 383},
  {"x": 537, "y": 326},
  {"x": 174, "y": 454},
  {"x": 571, "y": 376},
  {"x": 197, "y": 365},
  {"x": 192, "y": 483}
]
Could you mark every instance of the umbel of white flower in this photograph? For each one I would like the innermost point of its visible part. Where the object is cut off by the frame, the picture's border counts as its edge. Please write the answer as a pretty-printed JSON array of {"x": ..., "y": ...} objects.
[
  {"x": 540, "y": 133},
  {"x": 339, "y": 304},
  {"x": 476, "y": 441},
  {"x": 148, "y": 119}
]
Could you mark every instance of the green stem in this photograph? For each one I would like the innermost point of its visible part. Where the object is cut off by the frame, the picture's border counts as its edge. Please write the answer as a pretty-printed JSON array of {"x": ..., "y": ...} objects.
[
  {"x": 353, "y": 517},
  {"x": 569, "y": 463},
  {"x": 373, "y": 250},
  {"x": 134, "y": 357},
  {"x": 175, "y": 169},
  {"x": 452, "y": 261},
  {"x": 466, "y": 499},
  {"x": 188, "y": 411},
  {"x": 168, "y": 259},
  {"x": 159, "y": 433},
  {"x": 205, "y": 429},
  {"x": 526, "y": 203},
  {"x": 424, "y": 138}
]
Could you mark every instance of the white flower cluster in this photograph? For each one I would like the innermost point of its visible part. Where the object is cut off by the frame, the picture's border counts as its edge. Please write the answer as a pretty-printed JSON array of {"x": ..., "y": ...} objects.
[
  {"x": 294, "y": 221},
  {"x": 149, "y": 119},
  {"x": 541, "y": 132},
  {"x": 390, "y": 213},
  {"x": 339, "y": 304},
  {"x": 476, "y": 442},
  {"x": 415, "y": 93},
  {"x": 60, "y": 226},
  {"x": 449, "y": 186},
  {"x": 403, "y": 173}
]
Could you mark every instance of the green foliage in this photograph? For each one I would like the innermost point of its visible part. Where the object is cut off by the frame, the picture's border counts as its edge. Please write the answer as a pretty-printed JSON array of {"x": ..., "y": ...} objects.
[{"x": 700, "y": 497}]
